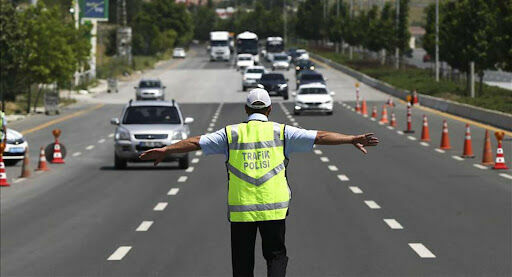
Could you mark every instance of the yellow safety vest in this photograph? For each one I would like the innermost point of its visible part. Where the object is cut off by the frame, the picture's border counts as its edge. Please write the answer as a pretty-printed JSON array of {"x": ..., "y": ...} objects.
[{"x": 257, "y": 185}]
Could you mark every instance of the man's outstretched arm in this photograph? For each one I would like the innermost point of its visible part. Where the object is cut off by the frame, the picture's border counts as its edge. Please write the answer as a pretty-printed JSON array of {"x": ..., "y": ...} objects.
[
  {"x": 182, "y": 146},
  {"x": 359, "y": 141}
]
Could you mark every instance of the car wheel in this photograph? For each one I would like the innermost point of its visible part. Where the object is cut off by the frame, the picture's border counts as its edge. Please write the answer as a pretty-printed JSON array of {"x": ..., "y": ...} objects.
[
  {"x": 295, "y": 112},
  {"x": 11, "y": 162},
  {"x": 285, "y": 96},
  {"x": 183, "y": 162},
  {"x": 244, "y": 88},
  {"x": 119, "y": 163},
  {"x": 329, "y": 113}
]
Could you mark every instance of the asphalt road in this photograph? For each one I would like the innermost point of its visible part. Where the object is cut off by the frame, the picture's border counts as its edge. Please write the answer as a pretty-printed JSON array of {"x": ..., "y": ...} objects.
[{"x": 402, "y": 210}]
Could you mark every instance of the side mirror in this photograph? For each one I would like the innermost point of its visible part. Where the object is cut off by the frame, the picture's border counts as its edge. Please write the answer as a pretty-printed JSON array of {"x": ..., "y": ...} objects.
[
  {"x": 189, "y": 120},
  {"x": 294, "y": 94},
  {"x": 114, "y": 121},
  {"x": 260, "y": 86},
  {"x": 332, "y": 93}
]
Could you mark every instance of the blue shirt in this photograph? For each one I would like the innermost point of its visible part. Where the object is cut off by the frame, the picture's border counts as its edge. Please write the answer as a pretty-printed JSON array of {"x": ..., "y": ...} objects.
[{"x": 296, "y": 139}]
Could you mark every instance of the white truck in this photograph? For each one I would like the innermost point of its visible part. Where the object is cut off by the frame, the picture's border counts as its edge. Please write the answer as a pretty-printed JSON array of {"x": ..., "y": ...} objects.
[
  {"x": 273, "y": 46},
  {"x": 219, "y": 46},
  {"x": 247, "y": 43}
]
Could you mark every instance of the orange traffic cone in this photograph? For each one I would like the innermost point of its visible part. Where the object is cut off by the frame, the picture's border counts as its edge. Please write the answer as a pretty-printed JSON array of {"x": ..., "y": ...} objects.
[
  {"x": 390, "y": 102},
  {"x": 57, "y": 154},
  {"x": 364, "y": 108},
  {"x": 409, "y": 120},
  {"x": 392, "y": 123},
  {"x": 374, "y": 113},
  {"x": 3, "y": 175},
  {"x": 384, "y": 115},
  {"x": 358, "y": 107},
  {"x": 42, "y": 166},
  {"x": 415, "y": 98},
  {"x": 468, "y": 149},
  {"x": 445, "y": 139},
  {"x": 500, "y": 157},
  {"x": 425, "y": 135},
  {"x": 25, "y": 168},
  {"x": 487, "y": 156}
]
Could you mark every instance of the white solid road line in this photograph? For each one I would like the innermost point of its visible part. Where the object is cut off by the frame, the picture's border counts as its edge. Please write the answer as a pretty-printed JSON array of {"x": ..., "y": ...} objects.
[
  {"x": 160, "y": 206},
  {"x": 324, "y": 159},
  {"x": 182, "y": 179},
  {"x": 199, "y": 153},
  {"x": 392, "y": 223},
  {"x": 318, "y": 151},
  {"x": 480, "y": 166},
  {"x": 356, "y": 190},
  {"x": 505, "y": 175},
  {"x": 400, "y": 132},
  {"x": 77, "y": 154},
  {"x": 440, "y": 150},
  {"x": 144, "y": 226},
  {"x": 189, "y": 169},
  {"x": 111, "y": 135},
  {"x": 119, "y": 253},
  {"x": 195, "y": 160},
  {"x": 421, "y": 250},
  {"x": 101, "y": 140},
  {"x": 343, "y": 177},
  {"x": 333, "y": 168},
  {"x": 90, "y": 147},
  {"x": 457, "y": 158},
  {"x": 371, "y": 204},
  {"x": 411, "y": 137},
  {"x": 173, "y": 191},
  {"x": 424, "y": 143}
]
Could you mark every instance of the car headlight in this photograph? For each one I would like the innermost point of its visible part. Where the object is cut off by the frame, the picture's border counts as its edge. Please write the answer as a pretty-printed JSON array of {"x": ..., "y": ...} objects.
[
  {"x": 312, "y": 68},
  {"x": 297, "y": 68},
  {"x": 122, "y": 134},
  {"x": 283, "y": 86}
]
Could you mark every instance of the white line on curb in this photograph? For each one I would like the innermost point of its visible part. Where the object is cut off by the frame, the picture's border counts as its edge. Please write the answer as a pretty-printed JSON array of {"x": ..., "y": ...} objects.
[
  {"x": 77, "y": 154},
  {"x": 90, "y": 147},
  {"x": 480, "y": 166},
  {"x": 457, "y": 158},
  {"x": 440, "y": 150},
  {"x": 343, "y": 177},
  {"x": 195, "y": 160},
  {"x": 324, "y": 159},
  {"x": 144, "y": 226},
  {"x": 372, "y": 204},
  {"x": 505, "y": 175},
  {"x": 333, "y": 168},
  {"x": 160, "y": 206},
  {"x": 182, "y": 179},
  {"x": 356, "y": 190},
  {"x": 119, "y": 253},
  {"x": 392, "y": 223},
  {"x": 173, "y": 191},
  {"x": 189, "y": 169},
  {"x": 421, "y": 250}
]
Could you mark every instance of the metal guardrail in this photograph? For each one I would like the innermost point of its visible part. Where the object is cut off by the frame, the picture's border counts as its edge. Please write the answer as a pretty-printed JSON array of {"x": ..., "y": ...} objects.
[{"x": 494, "y": 118}]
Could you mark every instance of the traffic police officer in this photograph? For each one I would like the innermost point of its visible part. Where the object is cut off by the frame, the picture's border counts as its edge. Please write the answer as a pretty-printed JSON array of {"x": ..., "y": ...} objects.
[{"x": 257, "y": 152}]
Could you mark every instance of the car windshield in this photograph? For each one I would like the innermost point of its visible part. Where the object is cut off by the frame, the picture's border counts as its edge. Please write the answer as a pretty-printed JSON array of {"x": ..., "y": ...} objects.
[
  {"x": 254, "y": 70},
  {"x": 178, "y": 49},
  {"x": 219, "y": 43},
  {"x": 310, "y": 77},
  {"x": 278, "y": 77},
  {"x": 150, "y": 84},
  {"x": 301, "y": 51},
  {"x": 151, "y": 115},
  {"x": 280, "y": 58},
  {"x": 244, "y": 58},
  {"x": 304, "y": 63},
  {"x": 313, "y": 91}
]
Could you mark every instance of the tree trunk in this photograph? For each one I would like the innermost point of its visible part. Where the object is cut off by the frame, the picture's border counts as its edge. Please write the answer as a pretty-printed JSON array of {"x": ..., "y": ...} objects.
[
  {"x": 37, "y": 97},
  {"x": 468, "y": 82}
]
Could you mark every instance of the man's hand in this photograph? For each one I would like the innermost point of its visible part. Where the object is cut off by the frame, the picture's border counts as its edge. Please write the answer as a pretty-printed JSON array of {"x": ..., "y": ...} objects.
[
  {"x": 157, "y": 154},
  {"x": 364, "y": 140}
]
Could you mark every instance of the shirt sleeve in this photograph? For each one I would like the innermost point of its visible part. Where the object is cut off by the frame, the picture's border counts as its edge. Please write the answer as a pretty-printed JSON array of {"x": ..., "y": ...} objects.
[
  {"x": 298, "y": 140},
  {"x": 214, "y": 143}
]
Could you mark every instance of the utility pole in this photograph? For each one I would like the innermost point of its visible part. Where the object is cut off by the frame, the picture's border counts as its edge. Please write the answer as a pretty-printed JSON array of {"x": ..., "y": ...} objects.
[
  {"x": 397, "y": 50},
  {"x": 437, "y": 40}
]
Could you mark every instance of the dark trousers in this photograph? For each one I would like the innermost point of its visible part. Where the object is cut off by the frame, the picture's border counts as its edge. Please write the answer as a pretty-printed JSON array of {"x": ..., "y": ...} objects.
[{"x": 243, "y": 238}]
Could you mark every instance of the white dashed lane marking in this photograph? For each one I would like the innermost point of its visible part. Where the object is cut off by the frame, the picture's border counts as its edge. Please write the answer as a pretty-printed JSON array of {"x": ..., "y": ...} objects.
[
  {"x": 101, "y": 140},
  {"x": 391, "y": 127},
  {"x": 199, "y": 153},
  {"x": 173, "y": 191},
  {"x": 119, "y": 253},
  {"x": 295, "y": 124},
  {"x": 144, "y": 226},
  {"x": 209, "y": 129},
  {"x": 457, "y": 158},
  {"x": 505, "y": 175},
  {"x": 195, "y": 160},
  {"x": 372, "y": 204},
  {"x": 160, "y": 206},
  {"x": 356, "y": 190},
  {"x": 480, "y": 166},
  {"x": 212, "y": 124},
  {"x": 111, "y": 135},
  {"x": 400, "y": 132},
  {"x": 318, "y": 152},
  {"x": 421, "y": 250},
  {"x": 343, "y": 177},
  {"x": 424, "y": 144},
  {"x": 411, "y": 137},
  {"x": 333, "y": 168},
  {"x": 393, "y": 224},
  {"x": 324, "y": 159},
  {"x": 90, "y": 147},
  {"x": 77, "y": 154},
  {"x": 189, "y": 169},
  {"x": 19, "y": 180},
  {"x": 440, "y": 150},
  {"x": 182, "y": 179}
]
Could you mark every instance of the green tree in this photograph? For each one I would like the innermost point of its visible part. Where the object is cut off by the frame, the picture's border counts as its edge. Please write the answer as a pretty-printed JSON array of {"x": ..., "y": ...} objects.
[
  {"x": 204, "y": 20},
  {"x": 403, "y": 35},
  {"x": 310, "y": 20}
]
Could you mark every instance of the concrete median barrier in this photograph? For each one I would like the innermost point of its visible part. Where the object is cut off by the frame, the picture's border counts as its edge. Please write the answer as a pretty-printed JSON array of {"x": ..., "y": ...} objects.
[{"x": 491, "y": 117}]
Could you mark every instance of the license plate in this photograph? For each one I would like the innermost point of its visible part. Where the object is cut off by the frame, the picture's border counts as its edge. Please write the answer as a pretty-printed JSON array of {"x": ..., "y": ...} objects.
[
  {"x": 150, "y": 144},
  {"x": 16, "y": 149}
]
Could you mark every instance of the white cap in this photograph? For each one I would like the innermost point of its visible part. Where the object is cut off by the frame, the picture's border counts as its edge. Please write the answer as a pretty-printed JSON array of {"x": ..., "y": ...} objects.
[{"x": 258, "y": 95}]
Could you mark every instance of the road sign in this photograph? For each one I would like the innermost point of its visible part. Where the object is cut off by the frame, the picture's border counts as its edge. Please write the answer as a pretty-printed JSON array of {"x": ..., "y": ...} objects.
[{"x": 94, "y": 9}]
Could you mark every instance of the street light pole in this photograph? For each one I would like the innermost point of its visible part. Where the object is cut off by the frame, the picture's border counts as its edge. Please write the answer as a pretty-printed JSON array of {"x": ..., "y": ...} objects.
[{"x": 437, "y": 40}]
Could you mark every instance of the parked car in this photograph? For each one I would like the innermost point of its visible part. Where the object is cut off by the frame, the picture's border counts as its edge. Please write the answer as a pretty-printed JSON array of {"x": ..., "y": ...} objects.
[
  {"x": 275, "y": 83},
  {"x": 149, "y": 124},
  {"x": 252, "y": 76},
  {"x": 179, "y": 52},
  {"x": 150, "y": 89},
  {"x": 309, "y": 76},
  {"x": 243, "y": 61},
  {"x": 15, "y": 147},
  {"x": 304, "y": 65},
  {"x": 313, "y": 97},
  {"x": 280, "y": 61}
]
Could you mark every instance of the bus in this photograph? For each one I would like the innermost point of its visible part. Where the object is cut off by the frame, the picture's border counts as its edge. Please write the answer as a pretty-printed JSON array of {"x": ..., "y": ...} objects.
[{"x": 247, "y": 43}]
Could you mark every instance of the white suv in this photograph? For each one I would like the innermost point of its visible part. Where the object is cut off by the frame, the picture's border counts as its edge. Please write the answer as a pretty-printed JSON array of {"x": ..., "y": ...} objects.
[{"x": 313, "y": 97}]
